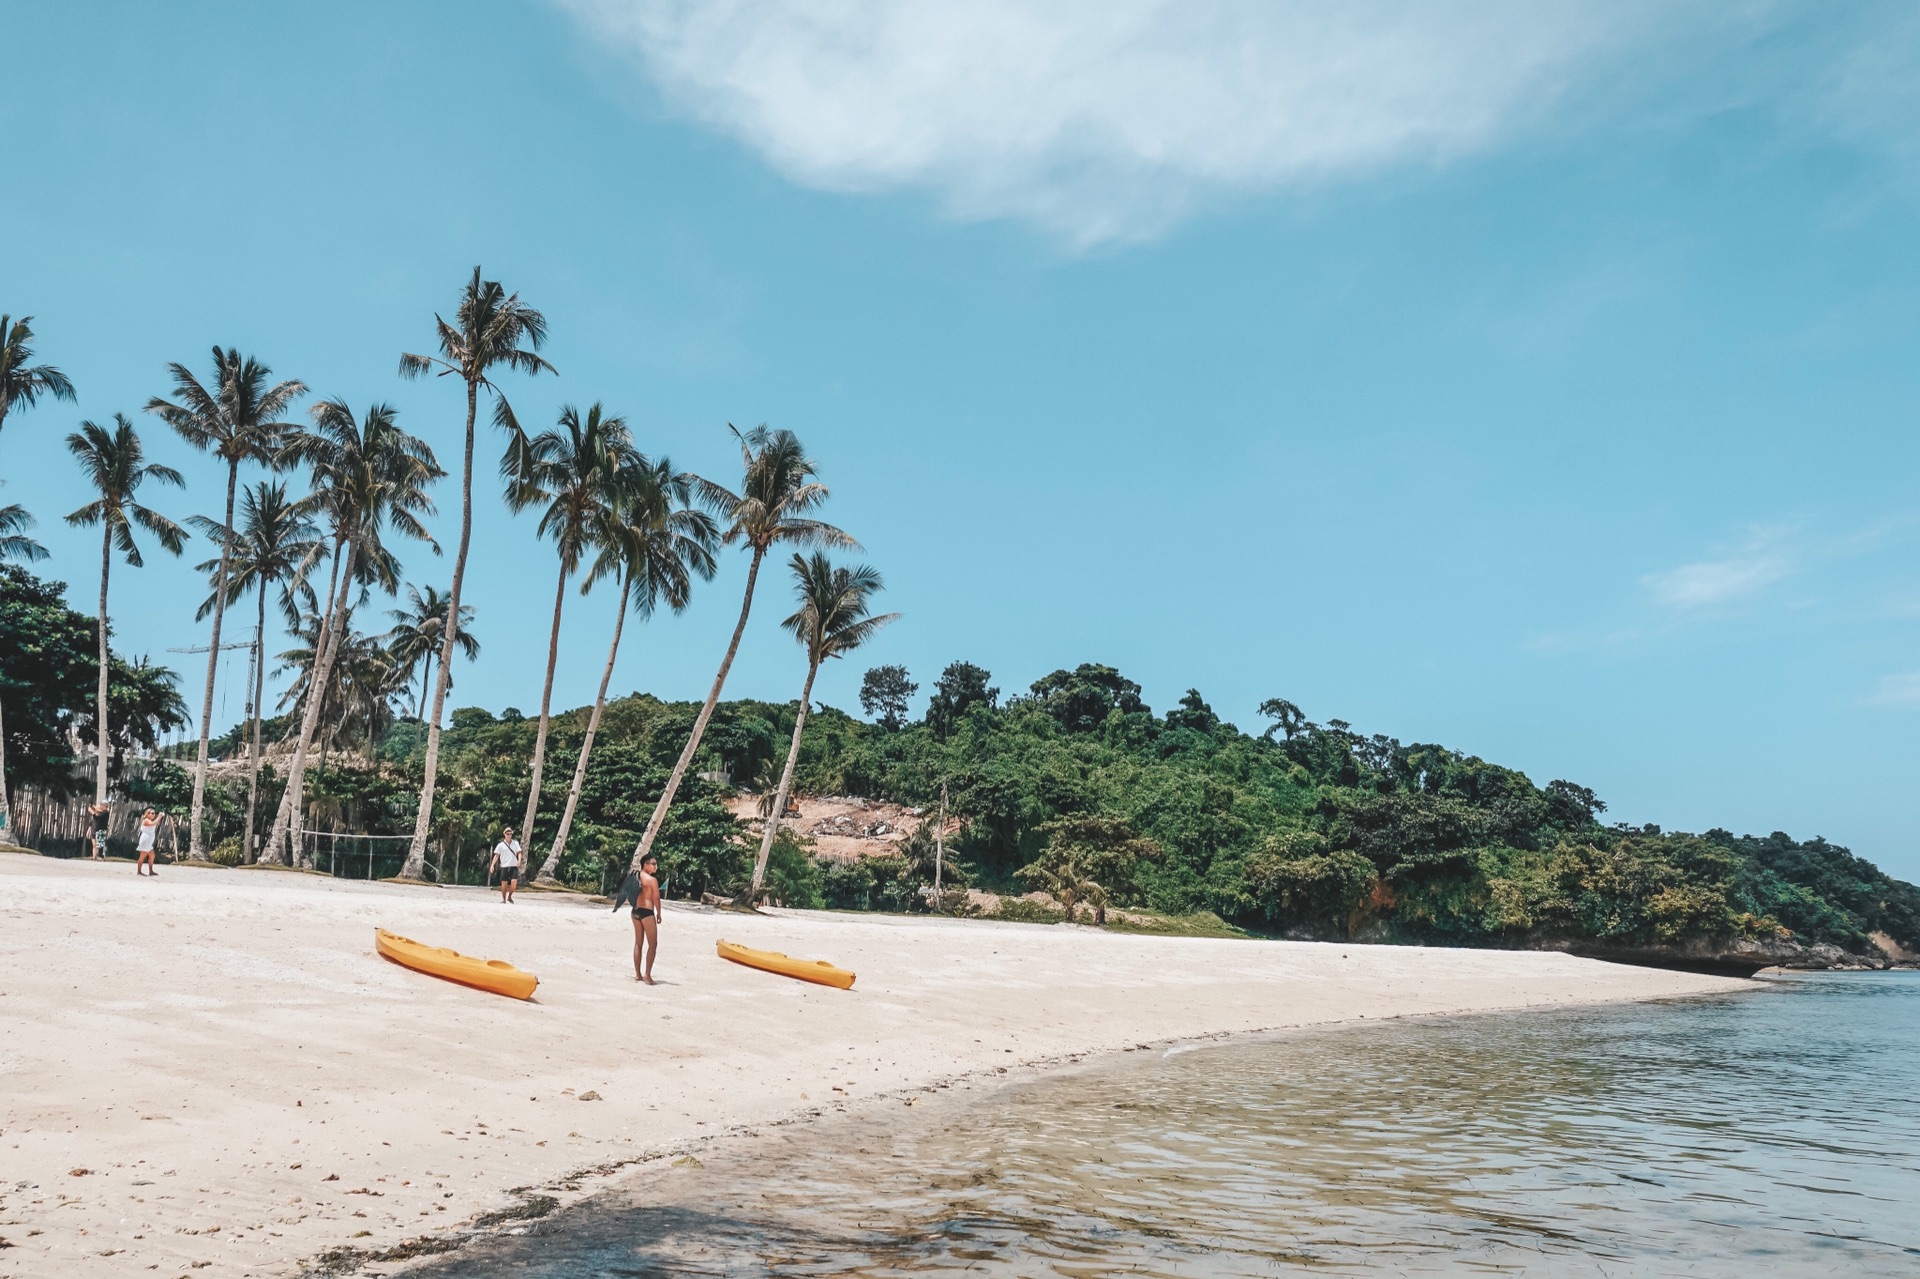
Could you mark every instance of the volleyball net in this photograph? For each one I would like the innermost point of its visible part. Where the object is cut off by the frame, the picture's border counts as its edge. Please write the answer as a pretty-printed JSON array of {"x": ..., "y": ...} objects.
[{"x": 351, "y": 855}]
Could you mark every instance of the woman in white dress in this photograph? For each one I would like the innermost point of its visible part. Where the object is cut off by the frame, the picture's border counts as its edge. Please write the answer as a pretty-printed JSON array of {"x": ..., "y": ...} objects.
[{"x": 149, "y": 833}]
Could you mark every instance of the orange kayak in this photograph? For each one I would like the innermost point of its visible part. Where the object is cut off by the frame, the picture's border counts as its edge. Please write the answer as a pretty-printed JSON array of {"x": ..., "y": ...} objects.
[
  {"x": 772, "y": 961},
  {"x": 495, "y": 975}
]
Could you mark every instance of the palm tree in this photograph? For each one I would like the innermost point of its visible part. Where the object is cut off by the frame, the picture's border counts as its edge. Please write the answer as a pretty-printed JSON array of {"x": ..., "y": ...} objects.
[
  {"x": 276, "y": 543},
  {"x": 14, "y": 545},
  {"x": 367, "y": 679},
  {"x": 571, "y": 473},
  {"x": 832, "y": 621},
  {"x": 21, "y": 382},
  {"x": 359, "y": 691},
  {"x": 655, "y": 546},
  {"x": 237, "y": 421},
  {"x": 416, "y": 635},
  {"x": 490, "y": 326},
  {"x": 116, "y": 466},
  {"x": 368, "y": 476},
  {"x": 777, "y": 490}
]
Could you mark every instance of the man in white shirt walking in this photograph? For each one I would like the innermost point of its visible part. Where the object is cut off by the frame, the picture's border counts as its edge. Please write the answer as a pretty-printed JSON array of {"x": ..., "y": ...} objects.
[{"x": 506, "y": 859}]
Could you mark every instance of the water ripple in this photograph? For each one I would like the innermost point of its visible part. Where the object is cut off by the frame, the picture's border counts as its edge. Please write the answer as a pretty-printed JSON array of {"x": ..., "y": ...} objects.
[{"x": 1774, "y": 1133}]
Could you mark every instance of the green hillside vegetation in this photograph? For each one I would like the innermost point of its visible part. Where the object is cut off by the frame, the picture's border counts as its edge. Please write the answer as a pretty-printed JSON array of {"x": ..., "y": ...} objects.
[
  {"x": 1075, "y": 788},
  {"x": 1305, "y": 829}
]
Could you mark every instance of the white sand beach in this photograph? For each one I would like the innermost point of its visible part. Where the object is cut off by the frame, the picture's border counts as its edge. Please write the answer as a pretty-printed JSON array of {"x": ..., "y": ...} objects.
[{"x": 213, "y": 1074}]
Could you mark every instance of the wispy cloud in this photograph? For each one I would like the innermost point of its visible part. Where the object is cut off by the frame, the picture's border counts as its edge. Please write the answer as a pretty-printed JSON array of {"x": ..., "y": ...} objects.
[
  {"x": 1732, "y": 576},
  {"x": 1109, "y": 119},
  {"x": 1901, "y": 690}
]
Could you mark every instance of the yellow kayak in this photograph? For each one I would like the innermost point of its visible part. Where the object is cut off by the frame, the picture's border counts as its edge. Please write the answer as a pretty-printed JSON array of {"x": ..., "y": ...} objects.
[
  {"x": 495, "y": 975},
  {"x": 772, "y": 961}
]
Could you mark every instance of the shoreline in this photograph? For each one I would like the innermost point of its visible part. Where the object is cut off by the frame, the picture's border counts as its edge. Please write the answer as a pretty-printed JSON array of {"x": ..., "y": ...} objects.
[{"x": 249, "y": 1091}]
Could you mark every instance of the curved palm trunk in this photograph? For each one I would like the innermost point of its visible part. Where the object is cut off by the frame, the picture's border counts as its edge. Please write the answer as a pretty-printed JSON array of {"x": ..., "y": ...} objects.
[
  {"x": 426, "y": 676},
  {"x": 294, "y": 801},
  {"x": 287, "y": 818},
  {"x": 100, "y": 704},
  {"x": 196, "y": 834},
  {"x": 659, "y": 817},
  {"x": 550, "y": 868},
  {"x": 786, "y": 786},
  {"x": 417, "y": 851},
  {"x": 546, "y": 703},
  {"x": 259, "y": 691}
]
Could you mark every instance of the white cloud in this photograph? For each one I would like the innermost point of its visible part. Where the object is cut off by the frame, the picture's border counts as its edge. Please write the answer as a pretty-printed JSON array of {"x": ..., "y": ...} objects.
[
  {"x": 1740, "y": 573},
  {"x": 1897, "y": 690},
  {"x": 1108, "y": 119}
]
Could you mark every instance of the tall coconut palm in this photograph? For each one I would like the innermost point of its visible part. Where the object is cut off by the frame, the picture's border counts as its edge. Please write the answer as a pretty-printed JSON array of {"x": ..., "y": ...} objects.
[
  {"x": 275, "y": 544},
  {"x": 14, "y": 545},
  {"x": 487, "y": 333},
  {"x": 23, "y": 382},
  {"x": 369, "y": 476},
  {"x": 570, "y": 473},
  {"x": 115, "y": 463},
  {"x": 417, "y": 631},
  {"x": 655, "y": 546},
  {"x": 777, "y": 490},
  {"x": 238, "y": 420},
  {"x": 833, "y": 619}
]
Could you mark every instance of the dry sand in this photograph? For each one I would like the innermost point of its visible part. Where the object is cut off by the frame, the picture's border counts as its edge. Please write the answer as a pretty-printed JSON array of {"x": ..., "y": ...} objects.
[{"x": 246, "y": 1084}]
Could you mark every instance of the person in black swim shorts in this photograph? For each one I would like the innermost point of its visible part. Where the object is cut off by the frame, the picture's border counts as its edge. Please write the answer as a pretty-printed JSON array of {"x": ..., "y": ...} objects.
[{"x": 646, "y": 920}]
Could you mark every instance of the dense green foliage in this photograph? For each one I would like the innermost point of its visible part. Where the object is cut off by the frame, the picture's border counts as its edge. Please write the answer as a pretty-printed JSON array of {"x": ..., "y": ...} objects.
[
  {"x": 48, "y": 674},
  {"x": 1307, "y": 830},
  {"x": 1317, "y": 830}
]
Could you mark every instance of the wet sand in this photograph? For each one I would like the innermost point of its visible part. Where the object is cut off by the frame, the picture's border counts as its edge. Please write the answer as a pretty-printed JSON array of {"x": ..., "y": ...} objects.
[{"x": 213, "y": 1074}]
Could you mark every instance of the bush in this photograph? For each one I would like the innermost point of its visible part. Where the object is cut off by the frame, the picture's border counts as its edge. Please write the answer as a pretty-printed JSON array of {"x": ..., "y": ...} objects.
[
  {"x": 1018, "y": 910},
  {"x": 793, "y": 878},
  {"x": 1299, "y": 883},
  {"x": 227, "y": 852}
]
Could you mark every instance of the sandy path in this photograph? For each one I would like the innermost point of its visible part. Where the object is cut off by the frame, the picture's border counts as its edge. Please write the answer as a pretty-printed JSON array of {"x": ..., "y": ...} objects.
[{"x": 247, "y": 1084}]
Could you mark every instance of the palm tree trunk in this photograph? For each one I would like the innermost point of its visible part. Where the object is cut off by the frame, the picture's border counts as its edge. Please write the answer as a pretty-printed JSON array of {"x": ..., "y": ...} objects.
[
  {"x": 295, "y": 799},
  {"x": 416, "y": 865},
  {"x": 6, "y": 808},
  {"x": 659, "y": 817},
  {"x": 100, "y": 704},
  {"x": 786, "y": 785},
  {"x": 196, "y": 834},
  {"x": 287, "y": 817},
  {"x": 259, "y": 690},
  {"x": 546, "y": 702},
  {"x": 426, "y": 674},
  {"x": 550, "y": 869}
]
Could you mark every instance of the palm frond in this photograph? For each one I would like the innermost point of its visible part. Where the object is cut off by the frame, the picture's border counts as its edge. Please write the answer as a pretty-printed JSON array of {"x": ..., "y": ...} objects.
[
  {"x": 22, "y": 382},
  {"x": 14, "y": 543}
]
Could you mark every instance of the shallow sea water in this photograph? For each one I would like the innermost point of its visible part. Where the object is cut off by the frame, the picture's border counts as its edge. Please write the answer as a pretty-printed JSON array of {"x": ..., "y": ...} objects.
[{"x": 1772, "y": 1133}]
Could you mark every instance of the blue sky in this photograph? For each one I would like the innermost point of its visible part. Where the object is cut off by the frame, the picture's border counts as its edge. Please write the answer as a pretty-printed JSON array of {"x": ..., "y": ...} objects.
[{"x": 1505, "y": 376}]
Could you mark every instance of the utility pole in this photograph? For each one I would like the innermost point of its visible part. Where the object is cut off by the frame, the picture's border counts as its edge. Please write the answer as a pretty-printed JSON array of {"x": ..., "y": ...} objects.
[{"x": 939, "y": 845}]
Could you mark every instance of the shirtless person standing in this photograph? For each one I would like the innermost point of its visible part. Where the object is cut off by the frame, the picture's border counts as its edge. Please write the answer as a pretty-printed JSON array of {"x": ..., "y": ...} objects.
[{"x": 646, "y": 920}]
